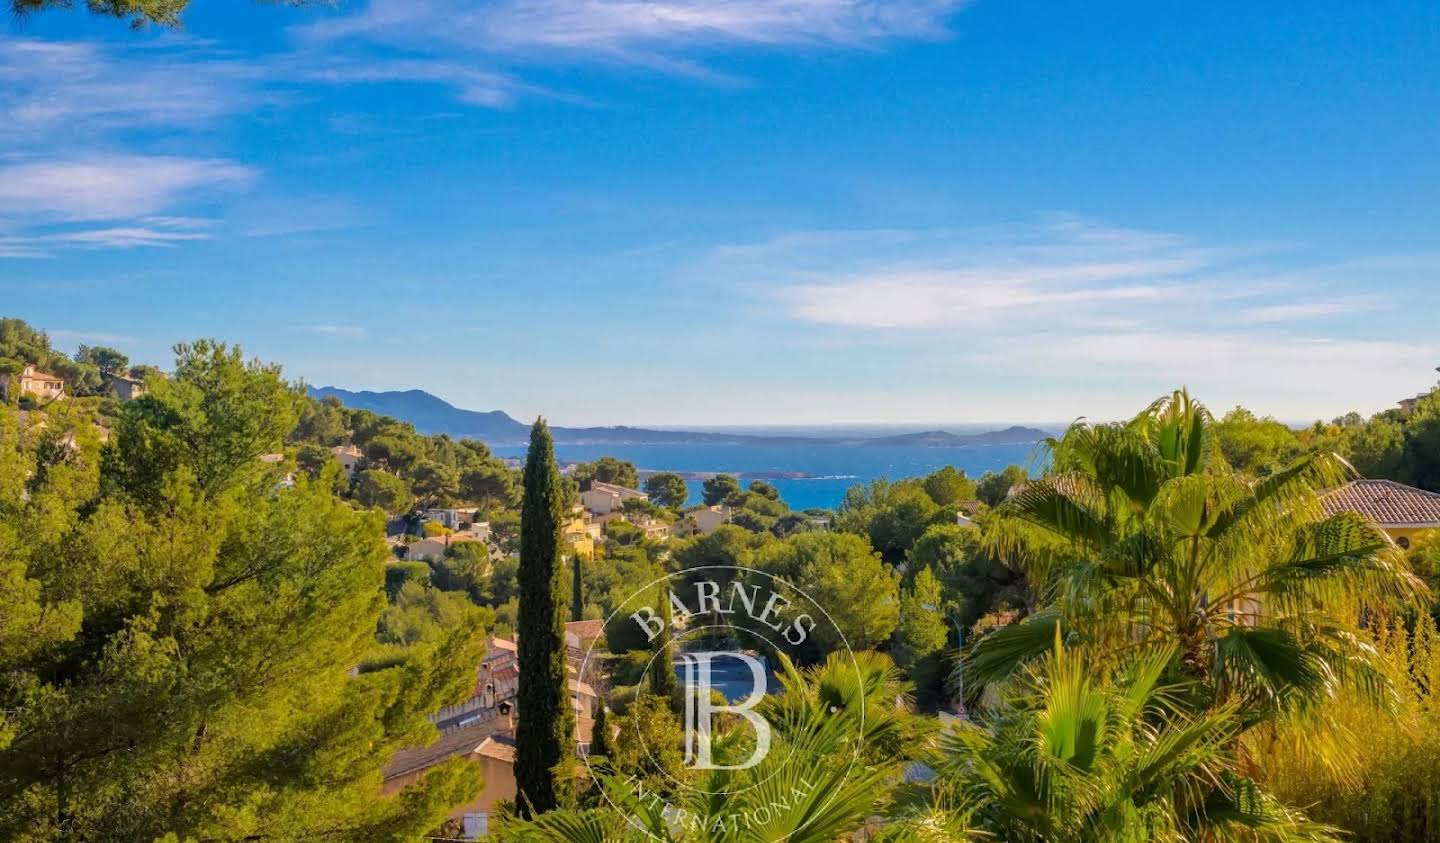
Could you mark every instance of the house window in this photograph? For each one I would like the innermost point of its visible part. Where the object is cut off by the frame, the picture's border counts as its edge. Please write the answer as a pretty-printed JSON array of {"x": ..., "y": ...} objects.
[
  {"x": 475, "y": 825},
  {"x": 1403, "y": 542}
]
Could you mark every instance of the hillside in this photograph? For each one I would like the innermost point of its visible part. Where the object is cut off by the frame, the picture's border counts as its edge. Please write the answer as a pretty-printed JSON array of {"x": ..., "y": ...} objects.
[
  {"x": 943, "y": 439},
  {"x": 431, "y": 415}
]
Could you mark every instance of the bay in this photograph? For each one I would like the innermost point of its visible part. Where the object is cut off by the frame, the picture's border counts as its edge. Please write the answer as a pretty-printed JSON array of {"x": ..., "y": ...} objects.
[{"x": 827, "y": 469}]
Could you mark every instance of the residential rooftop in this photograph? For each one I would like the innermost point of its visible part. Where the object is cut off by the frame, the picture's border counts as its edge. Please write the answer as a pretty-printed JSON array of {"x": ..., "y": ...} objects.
[{"x": 1387, "y": 503}]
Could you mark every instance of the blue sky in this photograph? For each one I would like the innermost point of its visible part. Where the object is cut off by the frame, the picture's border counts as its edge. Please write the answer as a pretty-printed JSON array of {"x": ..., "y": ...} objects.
[{"x": 745, "y": 211}]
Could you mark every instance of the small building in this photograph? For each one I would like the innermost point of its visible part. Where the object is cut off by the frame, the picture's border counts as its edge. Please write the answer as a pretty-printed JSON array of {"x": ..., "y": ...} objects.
[
  {"x": 484, "y": 743},
  {"x": 124, "y": 388},
  {"x": 702, "y": 521},
  {"x": 426, "y": 550},
  {"x": 577, "y": 535},
  {"x": 581, "y": 635},
  {"x": 482, "y": 730},
  {"x": 605, "y": 498},
  {"x": 967, "y": 511},
  {"x": 32, "y": 381},
  {"x": 450, "y": 519},
  {"x": 654, "y": 528},
  {"x": 348, "y": 456},
  {"x": 431, "y": 549},
  {"x": 478, "y": 531},
  {"x": 1401, "y": 511}
]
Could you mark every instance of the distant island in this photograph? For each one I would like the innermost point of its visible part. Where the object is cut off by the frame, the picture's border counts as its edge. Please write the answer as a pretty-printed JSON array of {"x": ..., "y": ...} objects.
[{"x": 431, "y": 415}]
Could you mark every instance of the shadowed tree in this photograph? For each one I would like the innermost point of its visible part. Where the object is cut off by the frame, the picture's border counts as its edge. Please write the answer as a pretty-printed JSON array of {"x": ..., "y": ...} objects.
[
  {"x": 667, "y": 489},
  {"x": 577, "y": 590},
  {"x": 663, "y": 682}
]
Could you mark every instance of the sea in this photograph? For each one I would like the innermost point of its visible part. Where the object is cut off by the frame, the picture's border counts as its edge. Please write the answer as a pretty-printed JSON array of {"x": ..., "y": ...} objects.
[{"x": 823, "y": 472}]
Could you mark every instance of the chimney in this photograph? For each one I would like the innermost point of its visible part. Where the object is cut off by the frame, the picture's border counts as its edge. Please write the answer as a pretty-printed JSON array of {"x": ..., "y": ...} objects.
[{"x": 507, "y": 711}]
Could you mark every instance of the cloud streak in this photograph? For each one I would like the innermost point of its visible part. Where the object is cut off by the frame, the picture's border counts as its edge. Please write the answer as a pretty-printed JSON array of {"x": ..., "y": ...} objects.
[
  {"x": 1064, "y": 301},
  {"x": 329, "y": 330},
  {"x": 104, "y": 187},
  {"x": 631, "y": 30}
]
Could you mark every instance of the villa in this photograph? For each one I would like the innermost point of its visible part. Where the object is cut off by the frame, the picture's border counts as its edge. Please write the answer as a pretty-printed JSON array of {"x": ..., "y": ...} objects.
[
  {"x": 481, "y": 729},
  {"x": 605, "y": 498},
  {"x": 32, "y": 381},
  {"x": 1401, "y": 511}
]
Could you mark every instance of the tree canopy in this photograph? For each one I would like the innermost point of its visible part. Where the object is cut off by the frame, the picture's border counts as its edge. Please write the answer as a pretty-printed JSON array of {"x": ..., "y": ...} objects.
[{"x": 178, "y": 631}]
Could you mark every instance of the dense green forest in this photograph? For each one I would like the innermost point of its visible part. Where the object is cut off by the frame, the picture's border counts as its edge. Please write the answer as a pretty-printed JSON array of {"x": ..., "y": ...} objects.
[{"x": 1164, "y": 636}]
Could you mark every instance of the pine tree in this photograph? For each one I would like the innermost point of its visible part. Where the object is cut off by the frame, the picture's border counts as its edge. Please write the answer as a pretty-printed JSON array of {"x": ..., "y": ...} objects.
[
  {"x": 176, "y": 634},
  {"x": 663, "y": 683},
  {"x": 577, "y": 591},
  {"x": 543, "y": 736}
]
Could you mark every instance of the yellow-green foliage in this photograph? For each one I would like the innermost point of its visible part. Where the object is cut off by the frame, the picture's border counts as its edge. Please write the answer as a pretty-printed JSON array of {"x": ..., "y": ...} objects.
[{"x": 1375, "y": 773}]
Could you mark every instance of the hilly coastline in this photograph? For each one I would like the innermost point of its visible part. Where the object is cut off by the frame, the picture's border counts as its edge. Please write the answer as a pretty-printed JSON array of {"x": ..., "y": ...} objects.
[{"x": 431, "y": 414}]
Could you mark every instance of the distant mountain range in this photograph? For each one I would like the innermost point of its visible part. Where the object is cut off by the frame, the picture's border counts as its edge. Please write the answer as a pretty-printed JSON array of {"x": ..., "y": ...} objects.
[{"x": 433, "y": 415}]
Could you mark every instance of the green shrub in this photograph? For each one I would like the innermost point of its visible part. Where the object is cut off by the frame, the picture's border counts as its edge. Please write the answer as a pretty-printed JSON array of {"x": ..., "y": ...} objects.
[{"x": 1372, "y": 772}]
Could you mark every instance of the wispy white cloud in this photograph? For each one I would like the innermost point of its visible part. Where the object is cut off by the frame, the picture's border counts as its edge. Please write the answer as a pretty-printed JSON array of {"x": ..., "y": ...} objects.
[
  {"x": 1304, "y": 310},
  {"x": 82, "y": 89},
  {"x": 1063, "y": 273},
  {"x": 908, "y": 300},
  {"x": 636, "y": 29},
  {"x": 101, "y": 187},
  {"x": 328, "y": 330},
  {"x": 473, "y": 84},
  {"x": 967, "y": 277},
  {"x": 477, "y": 48},
  {"x": 148, "y": 232},
  {"x": 50, "y": 205}
]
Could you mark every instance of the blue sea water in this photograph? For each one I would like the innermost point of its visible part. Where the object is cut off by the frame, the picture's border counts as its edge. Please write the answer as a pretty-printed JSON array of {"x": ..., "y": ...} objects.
[{"x": 829, "y": 469}]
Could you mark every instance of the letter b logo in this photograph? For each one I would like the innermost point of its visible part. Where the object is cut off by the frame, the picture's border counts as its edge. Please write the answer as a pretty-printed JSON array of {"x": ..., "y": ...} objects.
[{"x": 700, "y": 710}]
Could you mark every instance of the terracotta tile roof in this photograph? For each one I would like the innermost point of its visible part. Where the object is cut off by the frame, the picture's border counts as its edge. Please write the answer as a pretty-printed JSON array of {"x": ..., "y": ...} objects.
[
  {"x": 33, "y": 374},
  {"x": 615, "y": 489},
  {"x": 499, "y": 747},
  {"x": 586, "y": 630},
  {"x": 458, "y": 742},
  {"x": 1385, "y": 502}
]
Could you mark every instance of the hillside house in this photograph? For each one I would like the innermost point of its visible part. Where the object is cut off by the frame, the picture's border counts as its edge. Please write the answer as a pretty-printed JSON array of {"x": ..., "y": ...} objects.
[
  {"x": 32, "y": 381},
  {"x": 482, "y": 730},
  {"x": 1401, "y": 511},
  {"x": 702, "y": 521},
  {"x": 451, "y": 519},
  {"x": 348, "y": 456},
  {"x": 124, "y": 388},
  {"x": 605, "y": 498},
  {"x": 431, "y": 549}
]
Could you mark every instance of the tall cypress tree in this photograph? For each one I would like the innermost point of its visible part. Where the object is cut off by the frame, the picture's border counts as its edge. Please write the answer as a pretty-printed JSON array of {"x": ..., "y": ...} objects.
[
  {"x": 577, "y": 595},
  {"x": 544, "y": 735},
  {"x": 663, "y": 683},
  {"x": 600, "y": 740}
]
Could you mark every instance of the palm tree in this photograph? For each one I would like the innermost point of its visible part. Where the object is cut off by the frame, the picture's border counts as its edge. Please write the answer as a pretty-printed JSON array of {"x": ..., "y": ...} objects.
[
  {"x": 812, "y": 787},
  {"x": 1140, "y": 536},
  {"x": 1075, "y": 758},
  {"x": 865, "y": 688}
]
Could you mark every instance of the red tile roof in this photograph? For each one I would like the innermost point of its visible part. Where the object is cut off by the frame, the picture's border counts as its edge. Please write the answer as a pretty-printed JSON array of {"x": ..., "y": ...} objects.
[
  {"x": 586, "y": 630},
  {"x": 1386, "y": 502}
]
